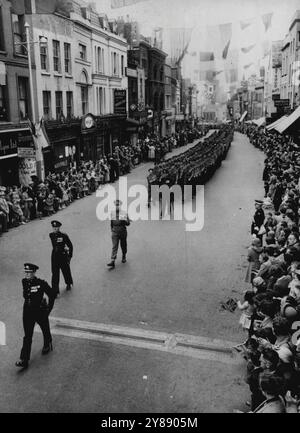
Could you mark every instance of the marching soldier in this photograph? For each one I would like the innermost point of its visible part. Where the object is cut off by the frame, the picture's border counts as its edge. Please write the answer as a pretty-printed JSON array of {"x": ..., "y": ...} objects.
[
  {"x": 38, "y": 302},
  {"x": 61, "y": 256},
  {"x": 119, "y": 222}
]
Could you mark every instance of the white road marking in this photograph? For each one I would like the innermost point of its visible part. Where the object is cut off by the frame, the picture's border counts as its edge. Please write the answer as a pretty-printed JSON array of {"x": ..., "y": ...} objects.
[{"x": 177, "y": 344}]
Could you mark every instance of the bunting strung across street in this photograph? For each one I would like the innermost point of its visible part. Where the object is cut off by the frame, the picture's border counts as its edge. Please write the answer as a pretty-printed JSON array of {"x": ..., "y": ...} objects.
[
  {"x": 267, "y": 20},
  {"x": 115, "y": 4},
  {"x": 225, "y": 34},
  {"x": 206, "y": 56},
  {"x": 247, "y": 49}
]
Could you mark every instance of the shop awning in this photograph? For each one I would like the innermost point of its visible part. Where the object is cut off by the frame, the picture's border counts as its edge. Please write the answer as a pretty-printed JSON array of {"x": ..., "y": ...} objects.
[
  {"x": 286, "y": 123},
  {"x": 277, "y": 122},
  {"x": 243, "y": 116},
  {"x": 260, "y": 121}
]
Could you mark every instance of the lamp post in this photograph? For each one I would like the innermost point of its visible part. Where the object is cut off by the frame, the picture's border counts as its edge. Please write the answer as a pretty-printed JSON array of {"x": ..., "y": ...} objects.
[{"x": 38, "y": 149}]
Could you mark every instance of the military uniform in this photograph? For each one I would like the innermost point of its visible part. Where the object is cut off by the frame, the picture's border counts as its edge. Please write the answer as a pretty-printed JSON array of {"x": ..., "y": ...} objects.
[
  {"x": 119, "y": 222},
  {"x": 60, "y": 258},
  {"x": 35, "y": 310}
]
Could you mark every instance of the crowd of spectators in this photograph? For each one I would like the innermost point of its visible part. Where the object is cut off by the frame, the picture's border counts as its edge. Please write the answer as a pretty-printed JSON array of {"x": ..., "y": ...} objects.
[
  {"x": 270, "y": 308},
  {"x": 20, "y": 204}
]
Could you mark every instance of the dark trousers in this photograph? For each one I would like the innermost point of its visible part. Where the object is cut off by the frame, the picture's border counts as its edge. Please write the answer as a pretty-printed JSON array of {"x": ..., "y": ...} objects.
[
  {"x": 30, "y": 318},
  {"x": 116, "y": 238},
  {"x": 60, "y": 262}
]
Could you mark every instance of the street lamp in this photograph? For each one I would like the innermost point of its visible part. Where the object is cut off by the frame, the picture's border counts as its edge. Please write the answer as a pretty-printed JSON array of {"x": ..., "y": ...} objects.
[{"x": 42, "y": 41}]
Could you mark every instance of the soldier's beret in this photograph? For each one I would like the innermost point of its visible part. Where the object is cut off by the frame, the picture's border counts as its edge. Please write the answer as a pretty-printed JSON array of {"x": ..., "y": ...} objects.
[
  {"x": 30, "y": 267},
  {"x": 55, "y": 223}
]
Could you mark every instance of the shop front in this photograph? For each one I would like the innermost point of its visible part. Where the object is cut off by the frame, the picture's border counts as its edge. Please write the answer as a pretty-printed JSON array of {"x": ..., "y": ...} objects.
[
  {"x": 64, "y": 151},
  {"x": 17, "y": 156}
]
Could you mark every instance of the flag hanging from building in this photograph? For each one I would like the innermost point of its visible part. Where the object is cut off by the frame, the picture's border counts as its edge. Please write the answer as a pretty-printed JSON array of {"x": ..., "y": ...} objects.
[
  {"x": 245, "y": 24},
  {"x": 267, "y": 20},
  {"x": 248, "y": 66},
  {"x": 206, "y": 56},
  {"x": 247, "y": 49},
  {"x": 225, "y": 34},
  {"x": 115, "y": 4},
  {"x": 176, "y": 42}
]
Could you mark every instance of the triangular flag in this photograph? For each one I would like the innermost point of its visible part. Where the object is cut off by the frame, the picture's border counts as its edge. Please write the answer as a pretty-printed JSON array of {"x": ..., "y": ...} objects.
[
  {"x": 245, "y": 24},
  {"x": 206, "y": 56},
  {"x": 247, "y": 49},
  {"x": 225, "y": 51},
  {"x": 267, "y": 20}
]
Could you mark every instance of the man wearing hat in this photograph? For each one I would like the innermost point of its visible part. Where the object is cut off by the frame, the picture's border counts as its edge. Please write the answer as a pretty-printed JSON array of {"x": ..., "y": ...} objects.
[
  {"x": 258, "y": 219},
  {"x": 38, "y": 302},
  {"x": 119, "y": 222},
  {"x": 61, "y": 255}
]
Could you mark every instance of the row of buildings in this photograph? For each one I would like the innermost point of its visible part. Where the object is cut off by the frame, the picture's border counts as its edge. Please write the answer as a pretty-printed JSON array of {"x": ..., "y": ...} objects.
[
  {"x": 95, "y": 82},
  {"x": 276, "y": 90}
]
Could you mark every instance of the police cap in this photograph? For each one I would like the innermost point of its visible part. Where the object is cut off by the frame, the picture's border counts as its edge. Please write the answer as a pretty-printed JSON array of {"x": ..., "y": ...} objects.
[
  {"x": 30, "y": 267},
  {"x": 55, "y": 223}
]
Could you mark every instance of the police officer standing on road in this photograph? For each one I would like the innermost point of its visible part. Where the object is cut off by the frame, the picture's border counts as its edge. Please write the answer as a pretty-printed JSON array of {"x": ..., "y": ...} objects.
[
  {"x": 61, "y": 255},
  {"x": 38, "y": 302},
  {"x": 119, "y": 222},
  {"x": 258, "y": 219}
]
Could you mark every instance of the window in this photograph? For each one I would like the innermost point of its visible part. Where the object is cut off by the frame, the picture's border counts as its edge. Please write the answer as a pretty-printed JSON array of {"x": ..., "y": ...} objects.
[
  {"x": 56, "y": 56},
  {"x": 67, "y": 51},
  {"x": 84, "y": 99},
  {"x": 58, "y": 105},
  {"x": 69, "y": 104},
  {"x": 23, "y": 97},
  {"x": 115, "y": 64},
  {"x": 3, "y": 104},
  {"x": 44, "y": 56},
  {"x": 82, "y": 52},
  {"x": 122, "y": 66},
  {"x": 19, "y": 33},
  {"x": 47, "y": 104}
]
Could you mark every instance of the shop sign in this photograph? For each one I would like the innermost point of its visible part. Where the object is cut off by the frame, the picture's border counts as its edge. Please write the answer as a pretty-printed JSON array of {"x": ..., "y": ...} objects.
[
  {"x": 27, "y": 168},
  {"x": 282, "y": 102},
  {"x": 10, "y": 141},
  {"x": 26, "y": 152},
  {"x": 119, "y": 101},
  {"x": 61, "y": 164}
]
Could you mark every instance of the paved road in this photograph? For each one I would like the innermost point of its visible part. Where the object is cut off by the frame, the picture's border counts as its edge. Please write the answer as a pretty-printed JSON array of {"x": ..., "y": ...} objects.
[{"x": 173, "y": 282}]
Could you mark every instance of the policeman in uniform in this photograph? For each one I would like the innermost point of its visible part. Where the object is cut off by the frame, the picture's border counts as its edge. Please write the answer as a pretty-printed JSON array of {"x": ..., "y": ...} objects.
[
  {"x": 38, "y": 302},
  {"x": 258, "y": 219},
  {"x": 119, "y": 222},
  {"x": 61, "y": 255}
]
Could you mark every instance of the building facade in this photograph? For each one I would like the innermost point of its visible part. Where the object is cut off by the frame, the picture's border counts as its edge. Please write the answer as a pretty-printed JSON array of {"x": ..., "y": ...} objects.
[{"x": 17, "y": 153}]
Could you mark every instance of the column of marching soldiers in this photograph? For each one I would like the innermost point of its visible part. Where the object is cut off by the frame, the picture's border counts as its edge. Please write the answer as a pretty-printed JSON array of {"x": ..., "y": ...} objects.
[{"x": 192, "y": 167}]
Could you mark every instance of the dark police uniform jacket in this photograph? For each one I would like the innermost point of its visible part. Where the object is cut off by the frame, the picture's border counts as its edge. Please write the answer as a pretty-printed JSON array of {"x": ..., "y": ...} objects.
[
  {"x": 60, "y": 243},
  {"x": 258, "y": 220},
  {"x": 33, "y": 291}
]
